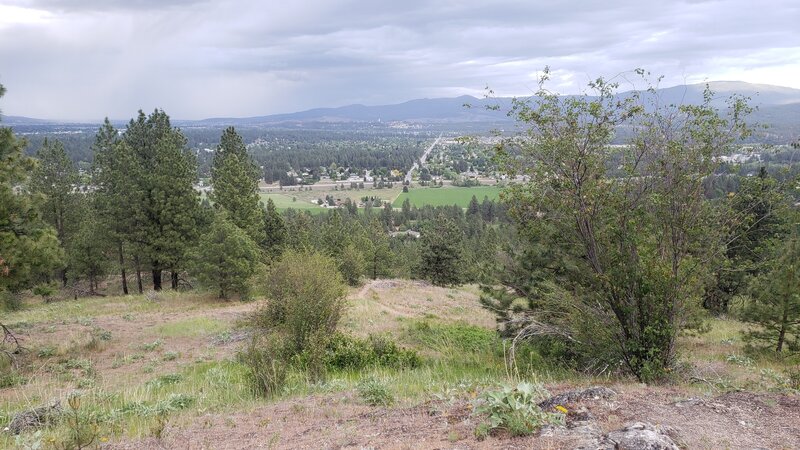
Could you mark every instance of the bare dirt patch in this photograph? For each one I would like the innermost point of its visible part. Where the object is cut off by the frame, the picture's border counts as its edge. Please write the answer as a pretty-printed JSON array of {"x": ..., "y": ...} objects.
[{"x": 734, "y": 420}]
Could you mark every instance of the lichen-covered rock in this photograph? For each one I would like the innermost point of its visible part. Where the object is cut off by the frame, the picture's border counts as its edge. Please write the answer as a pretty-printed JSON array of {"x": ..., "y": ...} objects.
[
  {"x": 640, "y": 436},
  {"x": 592, "y": 393},
  {"x": 34, "y": 418}
]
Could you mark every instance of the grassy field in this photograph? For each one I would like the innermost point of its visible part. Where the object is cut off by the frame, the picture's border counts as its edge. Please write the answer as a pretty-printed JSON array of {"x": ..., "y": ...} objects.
[
  {"x": 146, "y": 365},
  {"x": 290, "y": 200},
  {"x": 446, "y": 196}
]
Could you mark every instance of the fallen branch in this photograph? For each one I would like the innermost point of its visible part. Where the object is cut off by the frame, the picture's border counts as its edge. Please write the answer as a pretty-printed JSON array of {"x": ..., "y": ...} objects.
[{"x": 10, "y": 345}]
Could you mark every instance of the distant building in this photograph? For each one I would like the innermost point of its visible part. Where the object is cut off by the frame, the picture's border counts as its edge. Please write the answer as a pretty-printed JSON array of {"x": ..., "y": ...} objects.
[{"x": 407, "y": 233}]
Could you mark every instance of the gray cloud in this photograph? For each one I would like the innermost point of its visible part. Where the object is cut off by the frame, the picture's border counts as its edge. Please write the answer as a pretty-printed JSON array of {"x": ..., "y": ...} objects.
[{"x": 83, "y": 59}]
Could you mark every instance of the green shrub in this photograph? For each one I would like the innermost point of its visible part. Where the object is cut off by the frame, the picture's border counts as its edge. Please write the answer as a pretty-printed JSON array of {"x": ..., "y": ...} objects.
[
  {"x": 46, "y": 352},
  {"x": 374, "y": 392},
  {"x": 266, "y": 359},
  {"x": 306, "y": 296},
  {"x": 10, "y": 302},
  {"x": 165, "y": 380},
  {"x": 9, "y": 378},
  {"x": 514, "y": 410},
  {"x": 390, "y": 355},
  {"x": 351, "y": 353}
]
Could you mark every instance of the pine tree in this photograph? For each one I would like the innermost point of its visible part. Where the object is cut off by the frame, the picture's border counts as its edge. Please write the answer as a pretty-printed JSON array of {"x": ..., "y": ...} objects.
[
  {"x": 759, "y": 210},
  {"x": 442, "y": 252},
  {"x": 226, "y": 257},
  {"x": 487, "y": 209},
  {"x": 167, "y": 207},
  {"x": 378, "y": 251},
  {"x": 387, "y": 216},
  {"x": 235, "y": 179},
  {"x": 115, "y": 193},
  {"x": 29, "y": 248},
  {"x": 88, "y": 252},
  {"x": 274, "y": 231},
  {"x": 474, "y": 208},
  {"x": 406, "y": 211},
  {"x": 56, "y": 179},
  {"x": 351, "y": 264},
  {"x": 776, "y": 303}
]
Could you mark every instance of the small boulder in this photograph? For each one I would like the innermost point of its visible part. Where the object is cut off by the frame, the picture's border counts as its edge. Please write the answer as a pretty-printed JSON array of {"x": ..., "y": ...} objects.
[
  {"x": 640, "y": 436},
  {"x": 592, "y": 393}
]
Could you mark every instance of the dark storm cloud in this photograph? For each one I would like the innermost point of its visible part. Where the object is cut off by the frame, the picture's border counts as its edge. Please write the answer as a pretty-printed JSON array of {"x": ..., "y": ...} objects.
[{"x": 85, "y": 59}]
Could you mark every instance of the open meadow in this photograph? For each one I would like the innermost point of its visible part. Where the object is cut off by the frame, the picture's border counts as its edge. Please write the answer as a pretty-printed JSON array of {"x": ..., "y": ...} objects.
[
  {"x": 446, "y": 195},
  {"x": 161, "y": 371}
]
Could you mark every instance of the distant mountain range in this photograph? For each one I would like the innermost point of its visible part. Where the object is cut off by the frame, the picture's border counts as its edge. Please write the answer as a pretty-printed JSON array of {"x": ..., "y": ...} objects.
[
  {"x": 777, "y": 106},
  {"x": 775, "y": 101}
]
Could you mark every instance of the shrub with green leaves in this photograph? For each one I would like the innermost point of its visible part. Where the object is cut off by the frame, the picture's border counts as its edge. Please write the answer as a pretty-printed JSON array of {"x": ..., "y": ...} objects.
[
  {"x": 351, "y": 353},
  {"x": 306, "y": 295},
  {"x": 374, "y": 392},
  {"x": 514, "y": 410}
]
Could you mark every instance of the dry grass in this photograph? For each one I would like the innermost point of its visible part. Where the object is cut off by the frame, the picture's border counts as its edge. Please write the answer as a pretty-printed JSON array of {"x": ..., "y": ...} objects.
[
  {"x": 130, "y": 354},
  {"x": 386, "y": 306}
]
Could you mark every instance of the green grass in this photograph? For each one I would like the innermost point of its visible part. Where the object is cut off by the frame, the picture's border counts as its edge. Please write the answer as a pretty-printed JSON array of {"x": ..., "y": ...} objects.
[
  {"x": 82, "y": 311},
  {"x": 446, "y": 196},
  {"x": 459, "y": 361}
]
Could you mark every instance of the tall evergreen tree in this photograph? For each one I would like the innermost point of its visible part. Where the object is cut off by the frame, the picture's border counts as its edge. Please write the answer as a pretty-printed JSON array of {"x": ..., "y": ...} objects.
[
  {"x": 442, "y": 252},
  {"x": 88, "y": 252},
  {"x": 407, "y": 215},
  {"x": 387, "y": 216},
  {"x": 378, "y": 251},
  {"x": 29, "y": 248},
  {"x": 115, "y": 193},
  {"x": 235, "y": 179},
  {"x": 167, "y": 211},
  {"x": 274, "y": 231},
  {"x": 55, "y": 178},
  {"x": 759, "y": 217},
  {"x": 226, "y": 257},
  {"x": 776, "y": 304},
  {"x": 474, "y": 208}
]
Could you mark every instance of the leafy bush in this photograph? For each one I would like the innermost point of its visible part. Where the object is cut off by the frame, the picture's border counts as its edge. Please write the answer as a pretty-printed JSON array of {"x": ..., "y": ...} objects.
[
  {"x": 374, "y": 392},
  {"x": 514, "y": 410},
  {"x": 351, "y": 353},
  {"x": 390, "y": 355},
  {"x": 306, "y": 300},
  {"x": 306, "y": 296}
]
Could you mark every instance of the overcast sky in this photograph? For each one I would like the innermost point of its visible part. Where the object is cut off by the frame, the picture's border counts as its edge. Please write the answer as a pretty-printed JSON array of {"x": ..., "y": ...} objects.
[{"x": 86, "y": 59}]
